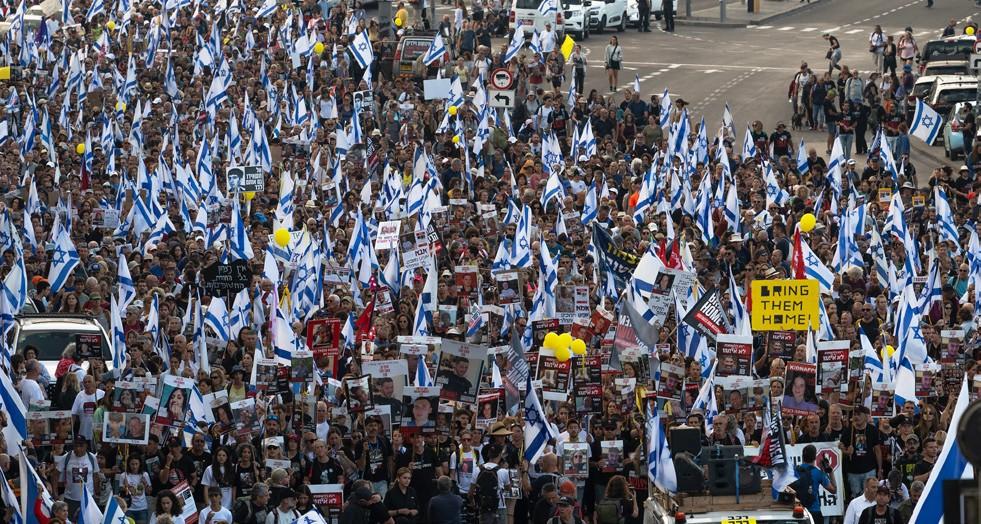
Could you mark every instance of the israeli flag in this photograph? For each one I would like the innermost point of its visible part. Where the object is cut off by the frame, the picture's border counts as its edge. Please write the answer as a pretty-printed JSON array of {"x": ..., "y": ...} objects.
[
  {"x": 546, "y": 7},
  {"x": 814, "y": 268},
  {"x": 521, "y": 249},
  {"x": 591, "y": 208},
  {"x": 436, "y": 51},
  {"x": 118, "y": 343},
  {"x": 63, "y": 259},
  {"x": 218, "y": 320},
  {"x": 660, "y": 466},
  {"x": 127, "y": 289},
  {"x": 803, "y": 166},
  {"x": 945, "y": 218},
  {"x": 361, "y": 50},
  {"x": 553, "y": 191},
  {"x": 268, "y": 8},
  {"x": 15, "y": 432},
  {"x": 537, "y": 429},
  {"x": 89, "y": 513},
  {"x": 665, "y": 108},
  {"x": 873, "y": 364},
  {"x": 927, "y": 123}
]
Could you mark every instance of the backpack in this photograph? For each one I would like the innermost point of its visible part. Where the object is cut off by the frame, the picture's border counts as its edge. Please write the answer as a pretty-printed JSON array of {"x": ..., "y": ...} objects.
[
  {"x": 487, "y": 489},
  {"x": 804, "y": 486},
  {"x": 68, "y": 456},
  {"x": 608, "y": 512}
]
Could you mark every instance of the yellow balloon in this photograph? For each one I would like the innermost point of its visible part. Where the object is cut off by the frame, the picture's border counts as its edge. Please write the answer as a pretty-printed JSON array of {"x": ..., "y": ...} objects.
[
  {"x": 565, "y": 340},
  {"x": 249, "y": 195},
  {"x": 80, "y": 149},
  {"x": 398, "y": 22},
  {"x": 111, "y": 25},
  {"x": 969, "y": 31},
  {"x": 579, "y": 346},
  {"x": 890, "y": 350},
  {"x": 551, "y": 340},
  {"x": 282, "y": 237},
  {"x": 807, "y": 222},
  {"x": 120, "y": 106},
  {"x": 319, "y": 48},
  {"x": 456, "y": 139},
  {"x": 452, "y": 110},
  {"x": 563, "y": 354}
]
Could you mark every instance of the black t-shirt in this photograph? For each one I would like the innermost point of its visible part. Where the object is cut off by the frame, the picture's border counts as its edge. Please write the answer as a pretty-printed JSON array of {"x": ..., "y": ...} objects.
[
  {"x": 907, "y": 466},
  {"x": 200, "y": 463},
  {"x": 325, "y": 472},
  {"x": 923, "y": 467},
  {"x": 376, "y": 456},
  {"x": 781, "y": 143},
  {"x": 863, "y": 456},
  {"x": 395, "y": 499},
  {"x": 423, "y": 466},
  {"x": 871, "y": 516},
  {"x": 245, "y": 478}
]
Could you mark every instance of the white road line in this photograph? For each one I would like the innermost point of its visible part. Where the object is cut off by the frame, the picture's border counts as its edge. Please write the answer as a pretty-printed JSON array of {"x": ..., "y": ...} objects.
[
  {"x": 833, "y": 29},
  {"x": 674, "y": 66},
  {"x": 853, "y": 31},
  {"x": 765, "y": 27},
  {"x": 786, "y": 28},
  {"x": 707, "y": 71},
  {"x": 808, "y": 29}
]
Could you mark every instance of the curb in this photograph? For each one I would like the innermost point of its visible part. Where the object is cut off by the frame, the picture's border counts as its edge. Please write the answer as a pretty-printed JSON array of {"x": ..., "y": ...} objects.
[{"x": 714, "y": 22}]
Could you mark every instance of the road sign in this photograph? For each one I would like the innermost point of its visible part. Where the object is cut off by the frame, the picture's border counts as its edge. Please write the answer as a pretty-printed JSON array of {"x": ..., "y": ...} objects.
[
  {"x": 501, "y": 98},
  {"x": 977, "y": 46},
  {"x": 975, "y": 62},
  {"x": 502, "y": 79},
  {"x": 245, "y": 178}
]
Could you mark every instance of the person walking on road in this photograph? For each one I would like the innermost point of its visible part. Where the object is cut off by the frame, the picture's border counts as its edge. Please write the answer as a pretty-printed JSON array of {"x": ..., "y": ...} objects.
[
  {"x": 614, "y": 59},
  {"x": 834, "y": 52},
  {"x": 578, "y": 68},
  {"x": 644, "y": 12},
  {"x": 667, "y": 11},
  {"x": 877, "y": 43}
]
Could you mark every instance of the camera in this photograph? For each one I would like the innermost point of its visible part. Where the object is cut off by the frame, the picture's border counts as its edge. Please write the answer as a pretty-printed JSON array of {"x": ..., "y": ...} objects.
[{"x": 826, "y": 465}]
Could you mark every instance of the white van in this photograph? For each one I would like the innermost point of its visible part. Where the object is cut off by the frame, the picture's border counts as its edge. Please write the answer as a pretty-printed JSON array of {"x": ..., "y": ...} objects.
[{"x": 526, "y": 12}]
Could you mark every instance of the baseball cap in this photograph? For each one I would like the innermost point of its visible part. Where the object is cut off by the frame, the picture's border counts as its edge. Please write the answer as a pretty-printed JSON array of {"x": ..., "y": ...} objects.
[{"x": 566, "y": 501}]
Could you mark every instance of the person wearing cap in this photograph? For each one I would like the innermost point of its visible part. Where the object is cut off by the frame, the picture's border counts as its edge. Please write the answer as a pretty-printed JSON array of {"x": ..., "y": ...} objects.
[
  {"x": 364, "y": 506},
  {"x": 285, "y": 511},
  {"x": 881, "y": 512},
  {"x": 907, "y": 460},
  {"x": 215, "y": 513},
  {"x": 566, "y": 507},
  {"x": 75, "y": 468}
]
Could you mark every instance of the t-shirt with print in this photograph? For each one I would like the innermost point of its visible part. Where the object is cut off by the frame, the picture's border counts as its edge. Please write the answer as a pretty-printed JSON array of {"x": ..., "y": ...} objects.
[
  {"x": 464, "y": 466},
  {"x": 375, "y": 455},
  {"x": 73, "y": 470},
  {"x": 863, "y": 457},
  {"x": 84, "y": 409}
]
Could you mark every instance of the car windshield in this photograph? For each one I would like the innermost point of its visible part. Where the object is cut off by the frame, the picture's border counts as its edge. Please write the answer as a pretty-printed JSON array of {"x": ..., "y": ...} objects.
[
  {"x": 921, "y": 89},
  {"x": 571, "y": 2},
  {"x": 527, "y": 4},
  {"x": 946, "y": 70},
  {"x": 50, "y": 344},
  {"x": 951, "y": 50},
  {"x": 952, "y": 96}
]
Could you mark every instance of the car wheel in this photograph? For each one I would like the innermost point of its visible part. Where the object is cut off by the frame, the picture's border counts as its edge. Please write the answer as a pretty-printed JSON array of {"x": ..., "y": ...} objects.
[
  {"x": 623, "y": 23},
  {"x": 602, "y": 25}
]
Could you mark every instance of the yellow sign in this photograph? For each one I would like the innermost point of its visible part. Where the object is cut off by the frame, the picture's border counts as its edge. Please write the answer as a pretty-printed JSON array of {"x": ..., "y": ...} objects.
[
  {"x": 5, "y": 73},
  {"x": 785, "y": 305},
  {"x": 739, "y": 520},
  {"x": 567, "y": 46}
]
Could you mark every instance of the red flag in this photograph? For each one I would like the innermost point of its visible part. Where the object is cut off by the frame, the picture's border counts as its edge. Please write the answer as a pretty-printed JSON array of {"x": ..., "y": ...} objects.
[
  {"x": 363, "y": 324},
  {"x": 797, "y": 259},
  {"x": 86, "y": 181}
]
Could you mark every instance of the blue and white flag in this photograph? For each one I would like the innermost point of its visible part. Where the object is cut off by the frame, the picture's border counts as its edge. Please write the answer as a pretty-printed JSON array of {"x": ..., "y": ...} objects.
[
  {"x": 537, "y": 429},
  {"x": 127, "y": 289},
  {"x": 945, "y": 218},
  {"x": 665, "y": 108},
  {"x": 803, "y": 166},
  {"x": 660, "y": 466},
  {"x": 546, "y": 7},
  {"x": 521, "y": 248},
  {"x": 15, "y": 432},
  {"x": 591, "y": 208},
  {"x": 873, "y": 364},
  {"x": 814, "y": 268},
  {"x": 89, "y": 512},
  {"x": 423, "y": 380},
  {"x": 637, "y": 83},
  {"x": 950, "y": 465},
  {"x": 361, "y": 50},
  {"x": 927, "y": 123},
  {"x": 436, "y": 51},
  {"x": 63, "y": 259},
  {"x": 218, "y": 320},
  {"x": 118, "y": 335}
]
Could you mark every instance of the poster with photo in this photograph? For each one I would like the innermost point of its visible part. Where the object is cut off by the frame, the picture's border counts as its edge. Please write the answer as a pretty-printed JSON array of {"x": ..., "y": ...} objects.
[
  {"x": 488, "y": 409},
  {"x": 735, "y": 354},
  {"x": 508, "y": 287},
  {"x": 565, "y": 303},
  {"x": 444, "y": 417},
  {"x": 926, "y": 376},
  {"x": 636, "y": 364},
  {"x": 329, "y": 499},
  {"x": 126, "y": 428},
  {"x": 88, "y": 345},
  {"x": 882, "y": 395},
  {"x": 47, "y": 428},
  {"x": 587, "y": 370},
  {"x": 737, "y": 394},
  {"x": 690, "y": 395},
  {"x": 301, "y": 367},
  {"x": 781, "y": 344},
  {"x": 173, "y": 401},
  {"x": 384, "y": 414},
  {"x": 357, "y": 391},
  {"x": 459, "y": 370},
  {"x": 512, "y": 490},
  {"x": 661, "y": 300},
  {"x": 467, "y": 280},
  {"x": 672, "y": 381},
  {"x": 589, "y": 399},
  {"x": 575, "y": 459},
  {"x": 265, "y": 375},
  {"x": 489, "y": 219},
  {"x": 832, "y": 367},
  {"x": 416, "y": 252},
  {"x": 419, "y": 406},
  {"x": 127, "y": 397},
  {"x": 221, "y": 409},
  {"x": 388, "y": 377},
  {"x": 246, "y": 418},
  {"x": 540, "y": 328},
  {"x": 554, "y": 376},
  {"x": 800, "y": 396},
  {"x": 323, "y": 334},
  {"x": 951, "y": 346},
  {"x": 612, "y": 455}
]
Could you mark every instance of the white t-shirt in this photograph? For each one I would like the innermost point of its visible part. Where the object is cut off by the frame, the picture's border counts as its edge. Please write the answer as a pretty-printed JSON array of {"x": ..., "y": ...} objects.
[
  {"x": 466, "y": 472},
  {"x": 208, "y": 479},
  {"x": 73, "y": 470},
  {"x": 222, "y": 516},
  {"x": 503, "y": 478},
  {"x": 137, "y": 484},
  {"x": 30, "y": 392},
  {"x": 84, "y": 409}
]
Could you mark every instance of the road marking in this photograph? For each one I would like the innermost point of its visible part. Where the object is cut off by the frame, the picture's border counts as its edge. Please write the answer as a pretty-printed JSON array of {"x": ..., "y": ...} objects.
[
  {"x": 833, "y": 29},
  {"x": 808, "y": 29},
  {"x": 674, "y": 66},
  {"x": 787, "y": 28},
  {"x": 707, "y": 71},
  {"x": 764, "y": 27},
  {"x": 853, "y": 31}
]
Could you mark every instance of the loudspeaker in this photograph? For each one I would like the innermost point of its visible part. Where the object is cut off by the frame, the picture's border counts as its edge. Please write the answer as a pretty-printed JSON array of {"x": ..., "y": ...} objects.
[
  {"x": 686, "y": 439},
  {"x": 691, "y": 478},
  {"x": 722, "y": 463}
]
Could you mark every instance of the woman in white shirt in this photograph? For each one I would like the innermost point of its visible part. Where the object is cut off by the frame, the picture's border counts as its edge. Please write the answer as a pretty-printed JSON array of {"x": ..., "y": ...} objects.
[
  {"x": 169, "y": 505},
  {"x": 220, "y": 474},
  {"x": 135, "y": 483}
]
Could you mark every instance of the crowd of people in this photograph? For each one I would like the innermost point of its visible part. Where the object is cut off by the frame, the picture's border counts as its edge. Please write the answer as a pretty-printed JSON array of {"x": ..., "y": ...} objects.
[{"x": 378, "y": 317}]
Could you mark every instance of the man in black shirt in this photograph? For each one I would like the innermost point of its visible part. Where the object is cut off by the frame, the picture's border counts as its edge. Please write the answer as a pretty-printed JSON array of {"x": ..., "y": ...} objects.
[
  {"x": 445, "y": 507},
  {"x": 546, "y": 507},
  {"x": 812, "y": 430},
  {"x": 364, "y": 507},
  {"x": 923, "y": 468},
  {"x": 375, "y": 458},
  {"x": 324, "y": 468},
  {"x": 421, "y": 459},
  {"x": 781, "y": 140},
  {"x": 863, "y": 455},
  {"x": 880, "y": 513}
]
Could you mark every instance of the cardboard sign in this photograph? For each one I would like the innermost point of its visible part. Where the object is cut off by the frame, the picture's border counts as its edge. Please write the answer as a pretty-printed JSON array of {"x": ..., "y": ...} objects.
[
  {"x": 242, "y": 179},
  {"x": 780, "y": 305},
  {"x": 227, "y": 279},
  {"x": 88, "y": 345},
  {"x": 388, "y": 235},
  {"x": 735, "y": 354},
  {"x": 832, "y": 367}
]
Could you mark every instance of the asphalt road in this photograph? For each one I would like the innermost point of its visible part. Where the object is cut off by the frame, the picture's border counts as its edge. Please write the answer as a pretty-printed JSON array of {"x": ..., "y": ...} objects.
[{"x": 751, "y": 67}]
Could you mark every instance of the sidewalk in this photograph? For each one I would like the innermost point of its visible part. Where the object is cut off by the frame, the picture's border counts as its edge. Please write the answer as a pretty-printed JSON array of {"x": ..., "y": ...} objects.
[{"x": 736, "y": 15}]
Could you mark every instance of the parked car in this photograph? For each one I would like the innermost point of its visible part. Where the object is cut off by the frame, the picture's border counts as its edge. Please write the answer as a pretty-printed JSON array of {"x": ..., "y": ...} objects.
[
  {"x": 576, "y": 15},
  {"x": 409, "y": 48},
  {"x": 920, "y": 89},
  {"x": 51, "y": 333},
  {"x": 526, "y": 12},
  {"x": 604, "y": 14},
  {"x": 657, "y": 11},
  {"x": 952, "y": 136},
  {"x": 946, "y": 67},
  {"x": 946, "y": 91},
  {"x": 952, "y": 48}
]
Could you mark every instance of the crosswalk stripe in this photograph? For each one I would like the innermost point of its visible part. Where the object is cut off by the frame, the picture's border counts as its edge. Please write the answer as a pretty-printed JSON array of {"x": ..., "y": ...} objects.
[
  {"x": 808, "y": 29},
  {"x": 764, "y": 27},
  {"x": 788, "y": 28},
  {"x": 833, "y": 29},
  {"x": 853, "y": 31}
]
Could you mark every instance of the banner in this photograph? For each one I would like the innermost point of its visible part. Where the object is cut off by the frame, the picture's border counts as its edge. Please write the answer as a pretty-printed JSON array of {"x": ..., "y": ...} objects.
[
  {"x": 708, "y": 316},
  {"x": 832, "y": 505},
  {"x": 610, "y": 259},
  {"x": 662, "y": 298},
  {"x": 785, "y": 305}
]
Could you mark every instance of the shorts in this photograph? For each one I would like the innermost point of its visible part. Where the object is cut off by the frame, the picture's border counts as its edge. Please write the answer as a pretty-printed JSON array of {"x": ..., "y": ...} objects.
[{"x": 614, "y": 65}]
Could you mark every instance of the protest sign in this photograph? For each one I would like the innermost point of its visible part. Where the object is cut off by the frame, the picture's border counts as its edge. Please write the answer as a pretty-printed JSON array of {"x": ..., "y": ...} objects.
[
  {"x": 708, "y": 315},
  {"x": 388, "y": 235},
  {"x": 785, "y": 305},
  {"x": 832, "y": 505},
  {"x": 832, "y": 367},
  {"x": 735, "y": 354},
  {"x": 459, "y": 370},
  {"x": 781, "y": 344},
  {"x": 799, "y": 396},
  {"x": 554, "y": 376}
]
